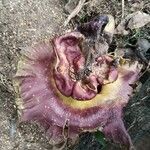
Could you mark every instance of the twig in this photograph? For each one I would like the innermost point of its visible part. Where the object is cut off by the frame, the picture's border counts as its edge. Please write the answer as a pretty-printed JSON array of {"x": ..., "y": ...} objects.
[
  {"x": 132, "y": 124},
  {"x": 122, "y": 8},
  {"x": 147, "y": 69},
  {"x": 75, "y": 11}
]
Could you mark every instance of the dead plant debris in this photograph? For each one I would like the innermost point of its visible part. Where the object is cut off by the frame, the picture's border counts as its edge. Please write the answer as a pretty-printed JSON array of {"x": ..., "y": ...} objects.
[
  {"x": 133, "y": 21},
  {"x": 75, "y": 11}
]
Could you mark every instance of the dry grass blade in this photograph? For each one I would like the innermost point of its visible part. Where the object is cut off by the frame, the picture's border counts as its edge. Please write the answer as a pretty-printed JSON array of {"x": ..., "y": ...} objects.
[
  {"x": 122, "y": 8},
  {"x": 75, "y": 11}
]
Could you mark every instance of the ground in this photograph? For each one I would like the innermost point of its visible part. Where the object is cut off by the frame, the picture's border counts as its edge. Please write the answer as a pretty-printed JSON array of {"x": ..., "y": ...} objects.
[{"x": 26, "y": 22}]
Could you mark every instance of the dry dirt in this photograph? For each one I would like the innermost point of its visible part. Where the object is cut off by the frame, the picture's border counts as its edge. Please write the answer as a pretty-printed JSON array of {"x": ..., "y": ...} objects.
[
  {"x": 22, "y": 23},
  {"x": 26, "y": 22}
]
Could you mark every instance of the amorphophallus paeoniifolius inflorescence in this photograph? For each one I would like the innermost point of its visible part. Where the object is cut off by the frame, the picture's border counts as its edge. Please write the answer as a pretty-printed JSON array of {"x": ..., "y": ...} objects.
[{"x": 72, "y": 84}]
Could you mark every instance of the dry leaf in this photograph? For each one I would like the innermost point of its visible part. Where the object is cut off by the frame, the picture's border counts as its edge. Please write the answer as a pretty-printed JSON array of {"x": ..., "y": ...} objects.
[
  {"x": 136, "y": 5},
  {"x": 143, "y": 44},
  {"x": 132, "y": 21},
  {"x": 138, "y": 20}
]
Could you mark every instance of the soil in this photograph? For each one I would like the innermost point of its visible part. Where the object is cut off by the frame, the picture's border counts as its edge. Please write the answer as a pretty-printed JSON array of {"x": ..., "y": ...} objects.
[{"x": 26, "y": 22}]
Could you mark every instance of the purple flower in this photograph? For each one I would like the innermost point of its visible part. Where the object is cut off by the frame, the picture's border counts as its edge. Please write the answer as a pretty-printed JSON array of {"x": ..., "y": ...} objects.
[{"x": 68, "y": 93}]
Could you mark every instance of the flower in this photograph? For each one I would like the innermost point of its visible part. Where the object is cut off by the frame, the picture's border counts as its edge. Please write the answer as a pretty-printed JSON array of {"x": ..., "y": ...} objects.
[{"x": 68, "y": 92}]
